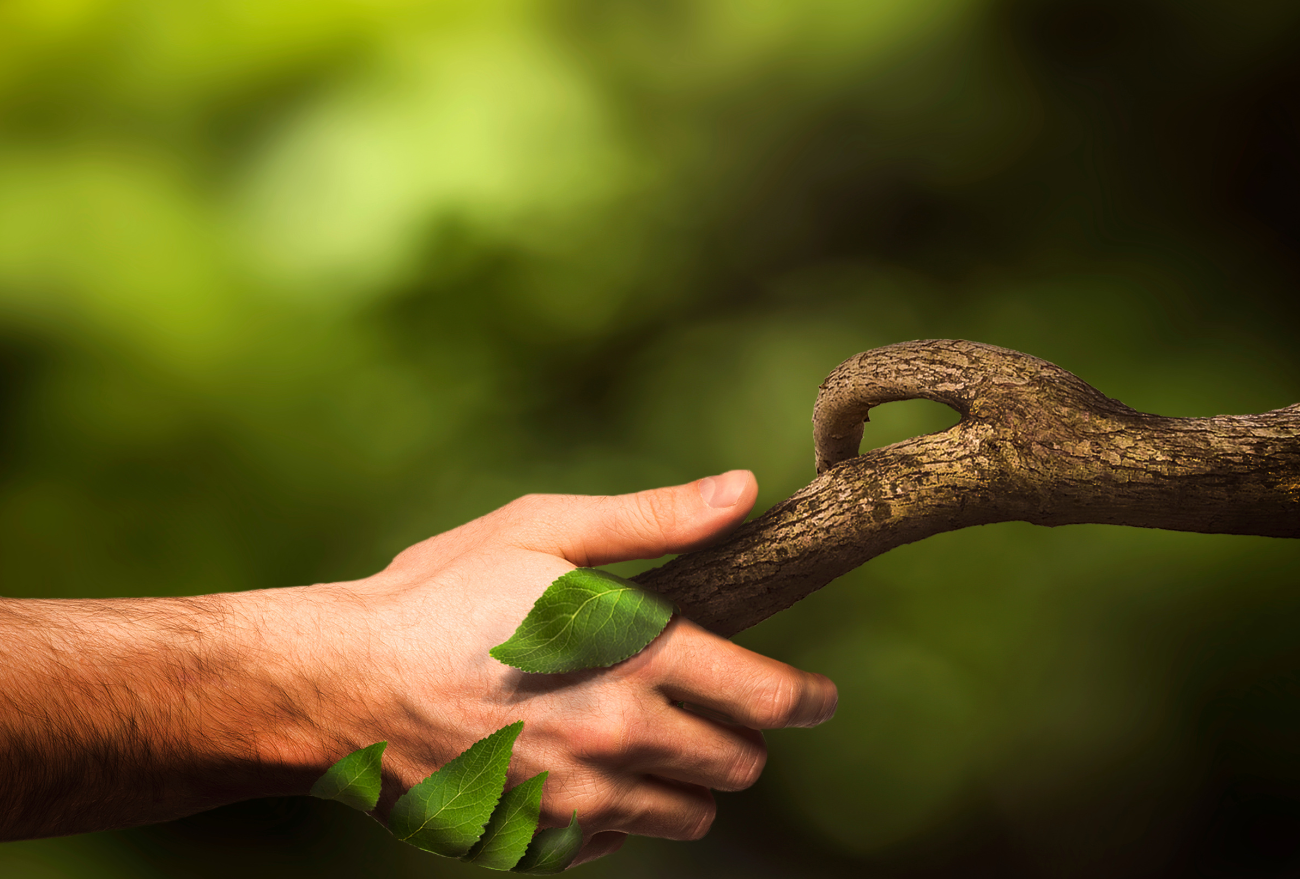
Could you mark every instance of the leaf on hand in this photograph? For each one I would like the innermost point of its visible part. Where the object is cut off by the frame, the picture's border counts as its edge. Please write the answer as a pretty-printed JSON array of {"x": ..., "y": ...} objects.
[
  {"x": 446, "y": 812},
  {"x": 354, "y": 780},
  {"x": 552, "y": 850},
  {"x": 585, "y": 619},
  {"x": 511, "y": 826}
]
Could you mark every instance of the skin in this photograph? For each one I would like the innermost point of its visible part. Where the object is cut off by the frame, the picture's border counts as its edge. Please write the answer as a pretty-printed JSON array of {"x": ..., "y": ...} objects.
[{"x": 129, "y": 711}]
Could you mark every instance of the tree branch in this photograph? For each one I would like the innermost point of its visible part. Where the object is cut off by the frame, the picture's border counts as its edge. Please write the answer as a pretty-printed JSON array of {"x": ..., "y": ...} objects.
[{"x": 1035, "y": 444}]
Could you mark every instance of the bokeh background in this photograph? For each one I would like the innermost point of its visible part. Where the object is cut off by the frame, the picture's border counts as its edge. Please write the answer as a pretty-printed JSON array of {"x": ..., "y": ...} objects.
[{"x": 287, "y": 286}]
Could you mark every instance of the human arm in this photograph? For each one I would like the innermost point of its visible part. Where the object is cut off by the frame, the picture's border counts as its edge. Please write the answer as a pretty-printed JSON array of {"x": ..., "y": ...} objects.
[{"x": 119, "y": 713}]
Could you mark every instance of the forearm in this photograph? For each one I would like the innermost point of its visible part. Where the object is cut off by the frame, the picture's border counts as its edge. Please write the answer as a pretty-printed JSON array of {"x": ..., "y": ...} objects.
[
  {"x": 123, "y": 712},
  {"x": 128, "y": 711}
]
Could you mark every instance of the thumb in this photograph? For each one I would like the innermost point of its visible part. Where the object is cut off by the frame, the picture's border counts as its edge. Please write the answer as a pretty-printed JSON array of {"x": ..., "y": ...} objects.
[{"x": 594, "y": 530}]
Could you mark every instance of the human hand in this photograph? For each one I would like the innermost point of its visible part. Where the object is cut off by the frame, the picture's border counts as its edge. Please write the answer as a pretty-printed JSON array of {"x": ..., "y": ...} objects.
[{"x": 408, "y": 662}]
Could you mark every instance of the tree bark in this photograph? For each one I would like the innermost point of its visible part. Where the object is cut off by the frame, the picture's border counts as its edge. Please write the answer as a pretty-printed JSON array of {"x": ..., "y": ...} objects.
[{"x": 1034, "y": 444}]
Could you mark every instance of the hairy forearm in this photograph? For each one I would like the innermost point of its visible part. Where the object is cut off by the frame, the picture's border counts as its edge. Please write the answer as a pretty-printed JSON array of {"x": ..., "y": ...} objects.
[{"x": 122, "y": 712}]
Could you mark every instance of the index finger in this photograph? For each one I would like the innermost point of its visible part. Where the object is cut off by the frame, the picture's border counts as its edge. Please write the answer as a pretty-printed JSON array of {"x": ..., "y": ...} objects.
[{"x": 704, "y": 669}]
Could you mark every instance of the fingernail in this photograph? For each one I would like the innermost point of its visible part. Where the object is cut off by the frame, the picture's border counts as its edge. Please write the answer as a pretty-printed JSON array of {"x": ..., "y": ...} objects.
[{"x": 723, "y": 491}]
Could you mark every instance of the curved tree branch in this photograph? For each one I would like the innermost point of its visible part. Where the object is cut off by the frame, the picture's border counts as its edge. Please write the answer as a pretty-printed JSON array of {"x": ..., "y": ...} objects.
[{"x": 1035, "y": 444}]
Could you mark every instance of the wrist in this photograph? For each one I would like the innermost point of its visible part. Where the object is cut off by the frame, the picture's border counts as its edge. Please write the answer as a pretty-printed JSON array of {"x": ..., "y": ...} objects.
[{"x": 269, "y": 685}]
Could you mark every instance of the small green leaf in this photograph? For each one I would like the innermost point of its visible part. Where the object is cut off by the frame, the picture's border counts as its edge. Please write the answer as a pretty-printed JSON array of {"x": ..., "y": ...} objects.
[
  {"x": 585, "y": 619},
  {"x": 445, "y": 813},
  {"x": 511, "y": 827},
  {"x": 552, "y": 850},
  {"x": 354, "y": 780}
]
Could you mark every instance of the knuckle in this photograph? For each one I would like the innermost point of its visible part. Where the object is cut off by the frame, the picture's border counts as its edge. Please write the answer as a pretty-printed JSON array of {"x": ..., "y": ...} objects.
[
  {"x": 591, "y": 796},
  {"x": 408, "y": 557},
  {"x": 602, "y": 740},
  {"x": 651, "y": 516},
  {"x": 522, "y": 508},
  {"x": 747, "y": 767},
  {"x": 525, "y": 521},
  {"x": 777, "y": 702},
  {"x": 701, "y": 821}
]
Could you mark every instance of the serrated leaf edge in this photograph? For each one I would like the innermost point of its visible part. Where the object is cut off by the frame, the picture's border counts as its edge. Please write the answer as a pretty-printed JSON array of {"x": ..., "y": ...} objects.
[
  {"x": 630, "y": 587},
  {"x": 573, "y": 823},
  {"x": 510, "y": 753},
  {"x": 474, "y": 853},
  {"x": 380, "y": 745}
]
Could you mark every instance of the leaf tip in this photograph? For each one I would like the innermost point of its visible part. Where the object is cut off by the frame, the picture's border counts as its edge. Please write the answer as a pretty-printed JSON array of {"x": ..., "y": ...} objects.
[{"x": 355, "y": 779}]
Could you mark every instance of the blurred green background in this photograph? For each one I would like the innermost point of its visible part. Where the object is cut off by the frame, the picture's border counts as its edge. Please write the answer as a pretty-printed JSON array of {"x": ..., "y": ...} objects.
[{"x": 287, "y": 286}]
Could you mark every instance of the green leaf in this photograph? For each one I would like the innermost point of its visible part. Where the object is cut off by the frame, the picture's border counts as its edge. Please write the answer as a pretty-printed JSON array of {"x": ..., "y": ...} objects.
[
  {"x": 552, "y": 850},
  {"x": 354, "y": 780},
  {"x": 585, "y": 619},
  {"x": 511, "y": 827},
  {"x": 445, "y": 813}
]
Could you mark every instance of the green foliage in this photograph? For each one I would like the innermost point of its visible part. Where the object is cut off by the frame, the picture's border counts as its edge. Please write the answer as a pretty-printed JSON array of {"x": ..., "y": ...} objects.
[
  {"x": 460, "y": 810},
  {"x": 510, "y": 830},
  {"x": 354, "y": 780},
  {"x": 552, "y": 850},
  {"x": 446, "y": 813},
  {"x": 287, "y": 286},
  {"x": 586, "y": 619}
]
